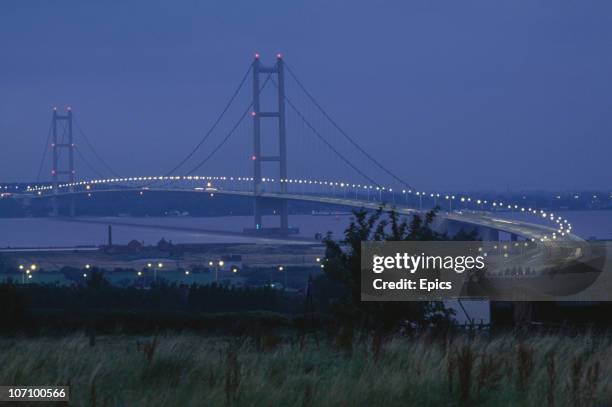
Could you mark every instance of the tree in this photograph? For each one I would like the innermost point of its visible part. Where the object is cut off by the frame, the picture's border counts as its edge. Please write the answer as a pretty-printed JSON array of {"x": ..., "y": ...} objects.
[{"x": 342, "y": 267}]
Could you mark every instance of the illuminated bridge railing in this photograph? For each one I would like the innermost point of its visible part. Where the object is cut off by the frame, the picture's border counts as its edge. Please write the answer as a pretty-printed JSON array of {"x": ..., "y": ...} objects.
[{"x": 339, "y": 189}]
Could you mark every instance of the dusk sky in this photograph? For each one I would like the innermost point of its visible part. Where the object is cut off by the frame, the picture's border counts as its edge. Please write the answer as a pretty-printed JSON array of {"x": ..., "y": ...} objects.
[{"x": 449, "y": 94}]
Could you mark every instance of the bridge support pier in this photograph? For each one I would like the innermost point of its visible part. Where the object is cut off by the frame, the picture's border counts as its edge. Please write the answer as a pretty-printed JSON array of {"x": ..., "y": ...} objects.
[
  {"x": 280, "y": 157},
  {"x": 513, "y": 237},
  {"x": 271, "y": 206},
  {"x": 66, "y": 142},
  {"x": 488, "y": 234},
  {"x": 452, "y": 227}
]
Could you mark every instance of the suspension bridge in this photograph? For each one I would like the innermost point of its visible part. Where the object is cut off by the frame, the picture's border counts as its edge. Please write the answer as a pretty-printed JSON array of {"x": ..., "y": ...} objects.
[{"x": 256, "y": 142}]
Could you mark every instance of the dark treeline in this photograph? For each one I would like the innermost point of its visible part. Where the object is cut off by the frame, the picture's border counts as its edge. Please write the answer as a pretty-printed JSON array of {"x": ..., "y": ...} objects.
[{"x": 34, "y": 308}]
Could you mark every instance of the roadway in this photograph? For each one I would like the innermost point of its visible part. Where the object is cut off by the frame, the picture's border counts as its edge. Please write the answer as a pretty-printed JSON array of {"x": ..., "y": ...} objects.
[{"x": 477, "y": 219}]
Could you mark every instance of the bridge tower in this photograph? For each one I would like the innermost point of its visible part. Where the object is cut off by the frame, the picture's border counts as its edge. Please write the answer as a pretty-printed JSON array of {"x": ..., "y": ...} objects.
[
  {"x": 60, "y": 173},
  {"x": 281, "y": 157}
]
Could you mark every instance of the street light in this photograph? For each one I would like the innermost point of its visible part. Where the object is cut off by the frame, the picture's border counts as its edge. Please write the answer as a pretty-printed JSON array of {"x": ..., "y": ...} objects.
[
  {"x": 159, "y": 266},
  {"x": 219, "y": 264},
  {"x": 23, "y": 273},
  {"x": 281, "y": 269}
]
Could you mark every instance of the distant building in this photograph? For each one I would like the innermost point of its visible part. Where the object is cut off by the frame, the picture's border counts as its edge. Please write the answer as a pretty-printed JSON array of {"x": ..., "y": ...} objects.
[{"x": 134, "y": 246}]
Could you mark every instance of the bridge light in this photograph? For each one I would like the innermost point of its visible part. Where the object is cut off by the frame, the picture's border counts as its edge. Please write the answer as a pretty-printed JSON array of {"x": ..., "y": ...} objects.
[
  {"x": 279, "y": 56},
  {"x": 253, "y": 114},
  {"x": 257, "y": 55},
  {"x": 253, "y": 157}
]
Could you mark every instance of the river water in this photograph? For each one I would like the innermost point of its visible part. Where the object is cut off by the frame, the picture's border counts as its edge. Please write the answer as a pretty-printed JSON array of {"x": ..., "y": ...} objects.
[{"x": 49, "y": 232}]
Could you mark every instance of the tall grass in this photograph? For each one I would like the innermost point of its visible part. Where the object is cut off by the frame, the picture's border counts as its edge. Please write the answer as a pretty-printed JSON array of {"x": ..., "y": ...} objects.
[{"x": 189, "y": 370}]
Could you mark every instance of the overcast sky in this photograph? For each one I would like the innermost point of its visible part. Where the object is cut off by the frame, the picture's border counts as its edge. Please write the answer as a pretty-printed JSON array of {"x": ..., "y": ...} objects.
[{"x": 449, "y": 94}]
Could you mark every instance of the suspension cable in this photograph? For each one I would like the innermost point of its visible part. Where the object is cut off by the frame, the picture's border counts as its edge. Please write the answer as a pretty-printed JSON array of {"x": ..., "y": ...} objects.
[
  {"x": 44, "y": 154},
  {"x": 345, "y": 134},
  {"x": 93, "y": 150},
  {"x": 215, "y": 124},
  {"x": 230, "y": 133},
  {"x": 88, "y": 164},
  {"x": 331, "y": 147}
]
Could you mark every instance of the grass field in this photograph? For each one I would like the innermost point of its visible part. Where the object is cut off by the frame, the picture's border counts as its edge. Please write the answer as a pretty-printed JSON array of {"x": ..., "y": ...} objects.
[{"x": 189, "y": 370}]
